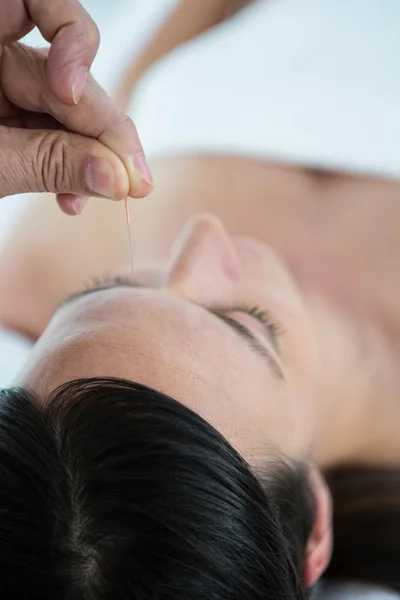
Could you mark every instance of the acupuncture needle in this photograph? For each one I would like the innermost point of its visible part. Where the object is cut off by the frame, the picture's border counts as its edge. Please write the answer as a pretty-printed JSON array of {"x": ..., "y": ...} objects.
[{"x": 128, "y": 226}]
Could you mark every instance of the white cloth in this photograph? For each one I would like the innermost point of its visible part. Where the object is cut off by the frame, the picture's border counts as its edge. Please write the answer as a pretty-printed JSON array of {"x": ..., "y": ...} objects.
[{"x": 316, "y": 83}]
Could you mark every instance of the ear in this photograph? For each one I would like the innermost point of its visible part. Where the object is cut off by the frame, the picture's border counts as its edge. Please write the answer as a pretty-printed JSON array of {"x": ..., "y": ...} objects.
[{"x": 319, "y": 545}]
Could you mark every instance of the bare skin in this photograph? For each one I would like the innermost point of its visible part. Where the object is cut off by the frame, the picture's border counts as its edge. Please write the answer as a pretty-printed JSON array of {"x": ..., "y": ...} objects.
[
  {"x": 189, "y": 328},
  {"x": 330, "y": 281},
  {"x": 338, "y": 403},
  {"x": 323, "y": 225},
  {"x": 339, "y": 234}
]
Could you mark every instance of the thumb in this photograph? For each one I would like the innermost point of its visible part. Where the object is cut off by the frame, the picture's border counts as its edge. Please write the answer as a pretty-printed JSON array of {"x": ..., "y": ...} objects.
[{"x": 60, "y": 162}]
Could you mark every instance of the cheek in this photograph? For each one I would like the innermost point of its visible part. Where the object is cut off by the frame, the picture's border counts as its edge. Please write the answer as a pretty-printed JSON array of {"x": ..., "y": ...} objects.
[
  {"x": 302, "y": 377},
  {"x": 300, "y": 363},
  {"x": 266, "y": 415},
  {"x": 300, "y": 354},
  {"x": 249, "y": 407},
  {"x": 261, "y": 265}
]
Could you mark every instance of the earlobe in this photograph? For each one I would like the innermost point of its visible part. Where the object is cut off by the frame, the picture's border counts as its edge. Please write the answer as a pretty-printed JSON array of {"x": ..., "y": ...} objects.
[{"x": 319, "y": 546}]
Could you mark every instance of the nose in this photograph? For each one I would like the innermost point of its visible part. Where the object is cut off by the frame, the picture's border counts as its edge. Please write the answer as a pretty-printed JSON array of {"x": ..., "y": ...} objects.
[{"x": 204, "y": 260}]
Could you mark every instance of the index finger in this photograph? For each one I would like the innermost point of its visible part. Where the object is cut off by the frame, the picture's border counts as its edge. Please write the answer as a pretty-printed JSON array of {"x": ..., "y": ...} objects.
[
  {"x": 96, "y": 116},
  {"x": 74, "y": 39}
]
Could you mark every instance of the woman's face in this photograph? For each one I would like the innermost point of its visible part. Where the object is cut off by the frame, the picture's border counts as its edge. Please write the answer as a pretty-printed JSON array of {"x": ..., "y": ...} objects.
[{"x": 221, "y": 327}]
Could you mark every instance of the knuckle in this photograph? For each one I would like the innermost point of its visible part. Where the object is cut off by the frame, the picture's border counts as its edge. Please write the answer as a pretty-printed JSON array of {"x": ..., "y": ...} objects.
[
  {"x": 86, "y": 36},
  {"x": 128, "y": 123},
  {"x": 52, "y": 165},
  {"x": 92, "y": 34},
  {"x": 80, "y": 41},
  {"x": 129, "y": 129},
  {"x": 68, "y": 55},
  {"x": 8, "y": 167}
]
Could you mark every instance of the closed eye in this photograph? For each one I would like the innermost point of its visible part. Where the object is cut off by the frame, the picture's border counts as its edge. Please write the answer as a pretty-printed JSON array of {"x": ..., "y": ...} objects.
[
  {"x": 247, "y": 335},
  {"x": 241, "y": 330},
  {"x": 271, "y": 328}
]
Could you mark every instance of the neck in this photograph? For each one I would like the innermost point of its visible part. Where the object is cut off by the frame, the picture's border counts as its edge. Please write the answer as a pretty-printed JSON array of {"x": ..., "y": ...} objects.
[{"x": 357, "y": 401}]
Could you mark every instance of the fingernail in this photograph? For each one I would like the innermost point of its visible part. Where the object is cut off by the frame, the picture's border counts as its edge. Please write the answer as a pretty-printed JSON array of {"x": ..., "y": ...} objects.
[
  {"x": 99, "y": 177},
  {"x": 78, "y": 203},
  {"x": 79, "y": 84},
  {"x": 142, "y": 167}
]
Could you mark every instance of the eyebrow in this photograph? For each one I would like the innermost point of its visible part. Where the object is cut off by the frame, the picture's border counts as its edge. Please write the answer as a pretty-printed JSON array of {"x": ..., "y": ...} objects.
[{"x": 241, "y": 330}]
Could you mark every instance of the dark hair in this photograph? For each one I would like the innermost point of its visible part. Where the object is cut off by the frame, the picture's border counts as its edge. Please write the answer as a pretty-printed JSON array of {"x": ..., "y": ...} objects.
[
  {"x": 111, "y": 490},
  {"x": 366, "y": 525}
]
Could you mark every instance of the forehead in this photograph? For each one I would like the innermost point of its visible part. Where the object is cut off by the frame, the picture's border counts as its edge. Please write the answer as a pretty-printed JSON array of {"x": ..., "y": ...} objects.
[
  {"x": 164, "y": 342},
  {"x": 136, "y": 333}
]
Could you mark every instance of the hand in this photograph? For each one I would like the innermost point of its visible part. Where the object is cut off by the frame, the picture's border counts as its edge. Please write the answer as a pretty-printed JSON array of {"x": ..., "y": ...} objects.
[{"x": 48, "y": 142}]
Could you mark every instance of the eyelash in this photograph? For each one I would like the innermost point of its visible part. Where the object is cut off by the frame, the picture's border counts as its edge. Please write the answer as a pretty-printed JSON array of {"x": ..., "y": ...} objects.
[
  {"x": 257, "y": 313},
  {"x": 103, "y": 280},
  {"x": 263, "y": 317}
]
